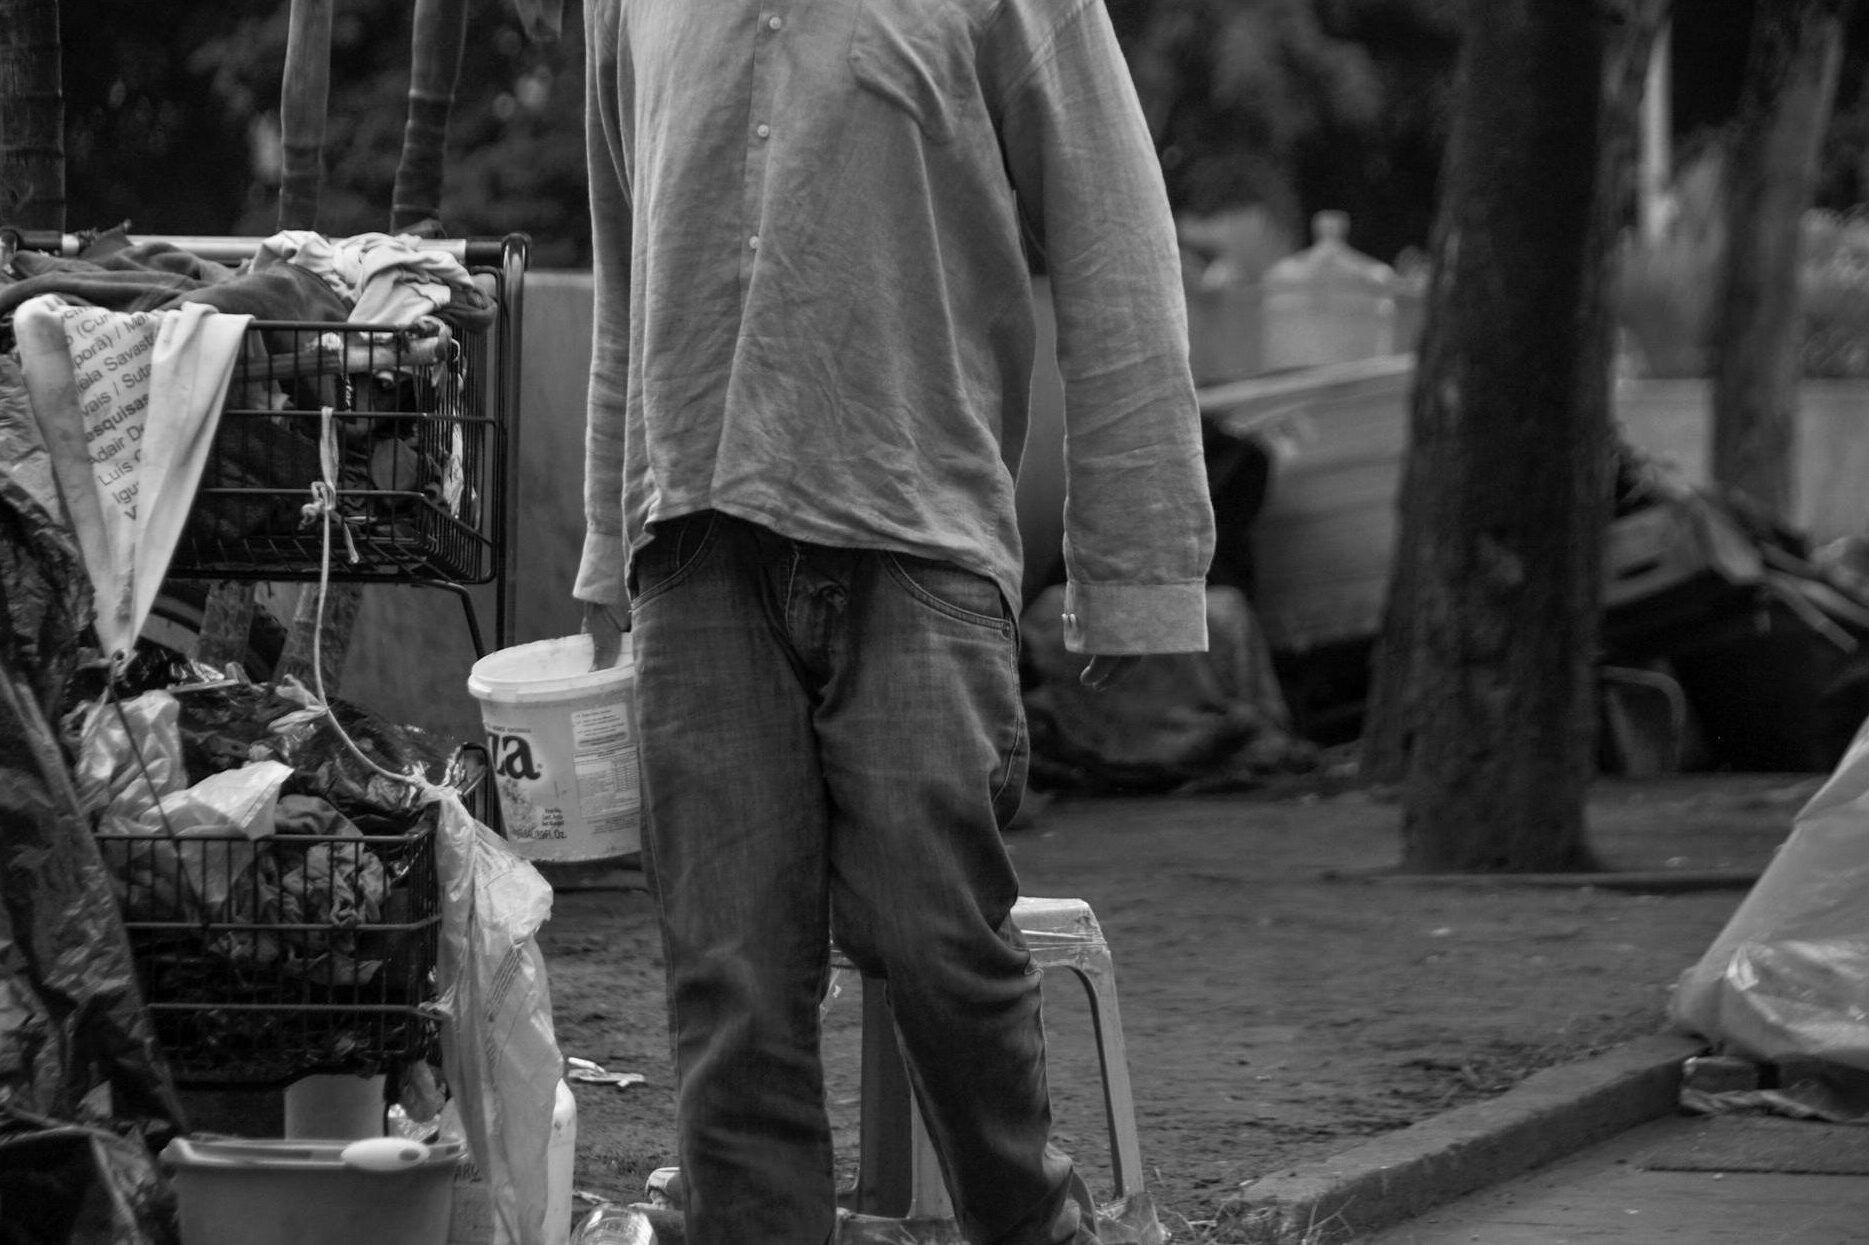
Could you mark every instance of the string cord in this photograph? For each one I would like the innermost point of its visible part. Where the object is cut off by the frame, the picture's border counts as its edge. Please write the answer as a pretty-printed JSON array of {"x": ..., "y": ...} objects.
[{"x": 323, "y": 508}]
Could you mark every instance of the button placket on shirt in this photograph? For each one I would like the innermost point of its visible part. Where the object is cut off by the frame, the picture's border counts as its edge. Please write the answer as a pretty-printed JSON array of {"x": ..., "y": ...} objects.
[{"x": 769, "y": 28}]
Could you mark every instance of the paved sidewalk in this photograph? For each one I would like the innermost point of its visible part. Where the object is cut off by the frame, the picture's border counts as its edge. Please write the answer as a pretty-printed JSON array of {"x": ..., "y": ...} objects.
[
  {"x": 1399, "y": 1176},
  {"x": 1563, "y": 1159},
  {"x": 1605, "y": 1194}
]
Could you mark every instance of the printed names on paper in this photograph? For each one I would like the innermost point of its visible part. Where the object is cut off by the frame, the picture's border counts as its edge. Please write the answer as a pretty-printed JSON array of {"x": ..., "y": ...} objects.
[{"x": 112, "y": 355}]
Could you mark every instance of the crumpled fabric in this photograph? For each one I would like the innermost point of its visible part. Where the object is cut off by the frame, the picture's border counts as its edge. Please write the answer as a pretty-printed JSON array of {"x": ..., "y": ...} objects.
[
  {"x": 222, "y": 850},
  {"x": 128, "y": 445},
  {"x": 199, "y": 836},
  {"x": 152, "y": 275},
  {"x": 386, "y": 279},
  {"x": 331, "y": 884}
]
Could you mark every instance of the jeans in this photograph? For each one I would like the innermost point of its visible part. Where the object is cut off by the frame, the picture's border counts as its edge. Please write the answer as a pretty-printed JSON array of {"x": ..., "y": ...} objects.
[{"x": 832, "y": 742}]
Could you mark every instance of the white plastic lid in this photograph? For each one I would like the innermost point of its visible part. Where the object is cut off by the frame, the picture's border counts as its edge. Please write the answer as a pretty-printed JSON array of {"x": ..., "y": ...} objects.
[{"x": 546, "y": 670}]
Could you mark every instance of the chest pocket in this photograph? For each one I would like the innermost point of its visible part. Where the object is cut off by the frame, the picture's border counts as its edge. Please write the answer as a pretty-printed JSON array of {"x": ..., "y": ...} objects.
[{"x": 918, "y": 55}]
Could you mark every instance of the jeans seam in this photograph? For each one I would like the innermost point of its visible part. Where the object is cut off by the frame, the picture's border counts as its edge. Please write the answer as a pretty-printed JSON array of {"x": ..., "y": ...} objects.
[{"x": 1021, "y": 743}]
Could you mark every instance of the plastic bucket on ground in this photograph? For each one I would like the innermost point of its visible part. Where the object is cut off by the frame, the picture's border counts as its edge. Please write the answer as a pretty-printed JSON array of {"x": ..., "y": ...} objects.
[
  {"x": 338, "y": 1107},
  {"x": 562, "y": 741},
  {"x": 272, "y": 1192}
]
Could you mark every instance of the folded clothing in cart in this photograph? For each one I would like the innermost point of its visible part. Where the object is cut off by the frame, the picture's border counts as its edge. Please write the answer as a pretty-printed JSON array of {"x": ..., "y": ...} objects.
[{"x": 119, "y": 274}]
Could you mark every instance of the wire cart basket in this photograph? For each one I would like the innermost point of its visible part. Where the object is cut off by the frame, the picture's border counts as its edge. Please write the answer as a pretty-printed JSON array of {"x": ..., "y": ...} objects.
[
  {"x": 415, "y": 451},
  {"x": 421, "y": 420},
  {"x": 417, "y": 421},
  {"x": 263, "y": 959}
]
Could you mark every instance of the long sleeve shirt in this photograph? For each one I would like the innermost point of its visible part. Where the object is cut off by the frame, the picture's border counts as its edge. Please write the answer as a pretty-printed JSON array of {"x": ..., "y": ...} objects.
[{"x": 812, "y": 221}]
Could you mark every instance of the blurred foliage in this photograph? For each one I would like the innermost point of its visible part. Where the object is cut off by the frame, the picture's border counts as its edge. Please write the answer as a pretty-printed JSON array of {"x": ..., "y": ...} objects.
[
  {"x": 1298, "y": 105},
  {"x": 1665, "y": 288},
  {"x": 1836, "y": 294},
  {"x": 145, "y": 139},
  {"x": 172, "y": 121}
]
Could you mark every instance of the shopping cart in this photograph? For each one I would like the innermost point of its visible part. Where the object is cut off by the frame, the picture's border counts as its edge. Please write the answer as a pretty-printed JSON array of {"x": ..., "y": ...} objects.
[{"x": 421, "y": 419}]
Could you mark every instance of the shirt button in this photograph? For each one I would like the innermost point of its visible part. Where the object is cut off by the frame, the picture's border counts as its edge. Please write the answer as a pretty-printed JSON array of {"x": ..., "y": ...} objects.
[
  {"x": 763, "y": 130},
  {"x": 774, "y": 22},
  {"x": 752, "y": 243}
]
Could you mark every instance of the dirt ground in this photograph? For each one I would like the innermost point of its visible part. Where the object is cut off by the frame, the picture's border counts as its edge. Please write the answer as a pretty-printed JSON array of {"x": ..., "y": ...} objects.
[{"x": 1284, "y": 995}]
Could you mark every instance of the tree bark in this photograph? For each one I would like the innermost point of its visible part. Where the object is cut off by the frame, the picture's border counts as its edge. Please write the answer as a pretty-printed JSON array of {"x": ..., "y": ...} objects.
[
  {"x": 1790, "y": 88},
  {"x": 440, "y": 32},
  {"x": 32, "y": 116},
  {"x": 1483, "y": 703},
  {"x": 304, "y": 97}
]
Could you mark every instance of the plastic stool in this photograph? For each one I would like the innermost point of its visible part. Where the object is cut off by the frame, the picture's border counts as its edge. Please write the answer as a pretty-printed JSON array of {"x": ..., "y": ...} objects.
[{"x": 898, "y": 1174}]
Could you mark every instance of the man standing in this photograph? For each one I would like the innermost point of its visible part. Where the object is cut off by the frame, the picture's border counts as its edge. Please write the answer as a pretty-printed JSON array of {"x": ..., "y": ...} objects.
[{"x": 813, "y": 348}]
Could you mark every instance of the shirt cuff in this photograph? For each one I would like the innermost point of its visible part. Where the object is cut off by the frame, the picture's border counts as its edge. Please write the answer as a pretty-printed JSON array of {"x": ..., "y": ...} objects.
[
  {"x": 601, "y": 570},
  {"x": 1120, "y": 619}
]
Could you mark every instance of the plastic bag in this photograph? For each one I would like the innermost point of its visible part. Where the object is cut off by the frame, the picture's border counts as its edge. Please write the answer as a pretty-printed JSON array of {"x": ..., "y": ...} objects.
[
  {"x": 499, "y": 1049},
  {"x": 1787, "y": 979},
  {"x": 129, "y": 758},
  {"x": 233, "y": 724},
  {"x": 130, "y": 775},
  {"x": 239, "y": 802}
]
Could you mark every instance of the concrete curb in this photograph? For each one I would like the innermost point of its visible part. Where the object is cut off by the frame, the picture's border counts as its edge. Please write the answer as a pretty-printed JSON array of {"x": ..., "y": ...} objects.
[
  {"x": 1397, "y": 1177},
  {"x": 1641, "y": 881},
  {"x": 1652, "y": 881}
]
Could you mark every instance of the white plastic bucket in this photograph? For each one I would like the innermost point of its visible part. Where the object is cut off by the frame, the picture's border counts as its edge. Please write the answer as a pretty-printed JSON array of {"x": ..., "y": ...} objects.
[
  {"x": 235, "y": 1191},
  {"x": 562, "y": 741}
]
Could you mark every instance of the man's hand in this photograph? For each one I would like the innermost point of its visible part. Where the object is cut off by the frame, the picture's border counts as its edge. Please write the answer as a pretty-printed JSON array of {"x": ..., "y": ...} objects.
[
  {"x": 1106, "y": 671},
  {"x": 606, "y": 633}
]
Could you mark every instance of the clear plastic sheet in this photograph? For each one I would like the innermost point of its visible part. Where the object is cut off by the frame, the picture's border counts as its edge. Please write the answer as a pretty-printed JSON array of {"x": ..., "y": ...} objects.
[
  {"x": 1787, "y": 980},
  {"x": 499, "y": 1048}
]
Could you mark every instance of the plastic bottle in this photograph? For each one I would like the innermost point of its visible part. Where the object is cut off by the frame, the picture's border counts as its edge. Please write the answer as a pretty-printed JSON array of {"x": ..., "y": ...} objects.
[
  {"x": 560, "y": 1157},
  {"x": 614, "y": 1225},
  {"x": 1328, "y": 303}
]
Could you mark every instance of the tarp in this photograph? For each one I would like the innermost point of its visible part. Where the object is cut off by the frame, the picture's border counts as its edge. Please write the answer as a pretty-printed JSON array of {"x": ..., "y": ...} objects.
[
  {"x": 1787, "y": 980},
  {"x": 81, "y": 1077}
]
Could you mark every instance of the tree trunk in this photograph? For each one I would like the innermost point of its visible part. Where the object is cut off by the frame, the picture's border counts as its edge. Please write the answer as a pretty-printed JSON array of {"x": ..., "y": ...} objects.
[
  {"x": 304, "y": 97},
  {"x": 440, "y": 30},
  {"x": 32, "y": 116},
  {"x": 1483, "y": 705},
  {"x": 1791, "y": 77}
]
